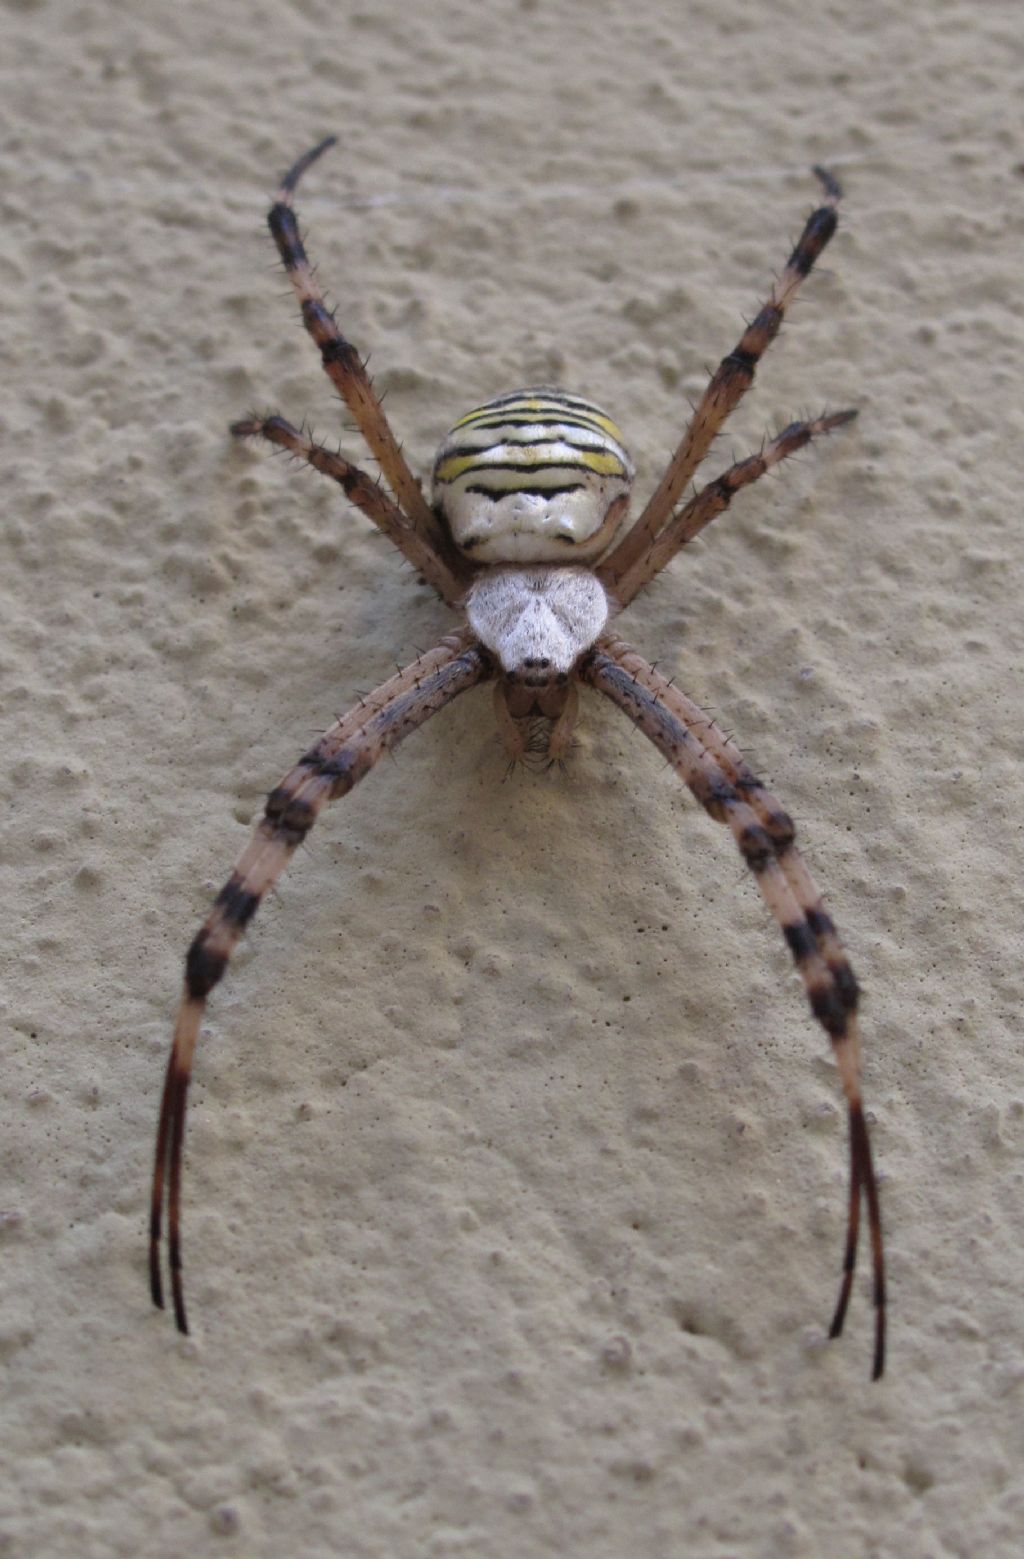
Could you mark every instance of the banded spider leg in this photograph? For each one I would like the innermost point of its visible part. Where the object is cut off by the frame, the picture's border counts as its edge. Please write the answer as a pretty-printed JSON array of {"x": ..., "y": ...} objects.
[
  {"x": 726, "y": 388},
  {"x": 714, "y": 770},
  {"x": 337, "y": 762}
]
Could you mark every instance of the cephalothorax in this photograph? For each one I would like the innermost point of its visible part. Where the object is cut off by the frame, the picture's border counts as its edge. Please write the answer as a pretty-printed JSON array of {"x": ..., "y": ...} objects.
[{"x": 527, "y": 538}]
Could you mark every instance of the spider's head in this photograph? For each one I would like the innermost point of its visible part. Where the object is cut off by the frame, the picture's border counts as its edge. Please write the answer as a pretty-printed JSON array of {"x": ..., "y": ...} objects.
[{"x": 537, "y": 476}]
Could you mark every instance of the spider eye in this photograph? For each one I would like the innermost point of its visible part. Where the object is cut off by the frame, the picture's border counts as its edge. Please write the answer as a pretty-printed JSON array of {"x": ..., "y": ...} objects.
[{"x": 530, "y": 475}]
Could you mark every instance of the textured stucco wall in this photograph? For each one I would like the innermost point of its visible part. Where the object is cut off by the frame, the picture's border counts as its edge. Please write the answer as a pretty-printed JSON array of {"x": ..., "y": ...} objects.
[{"x": 516, "y": 1166}]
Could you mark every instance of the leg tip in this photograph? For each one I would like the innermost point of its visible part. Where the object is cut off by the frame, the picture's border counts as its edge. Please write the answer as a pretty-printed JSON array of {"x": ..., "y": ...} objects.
[
  {"x": 829, "y": 183},
  {"x": 156, "y": 1287},
  {"x": 295, "y": 173}
]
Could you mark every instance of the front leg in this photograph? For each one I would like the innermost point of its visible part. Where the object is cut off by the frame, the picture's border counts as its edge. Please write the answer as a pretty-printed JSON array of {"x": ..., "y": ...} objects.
[
  {"x": 726, "y": 388},
  {"x": 341, "y": 361}
]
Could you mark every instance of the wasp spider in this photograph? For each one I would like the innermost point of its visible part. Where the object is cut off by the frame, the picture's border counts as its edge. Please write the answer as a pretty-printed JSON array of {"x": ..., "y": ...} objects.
[{"x": 527, "y": 538}]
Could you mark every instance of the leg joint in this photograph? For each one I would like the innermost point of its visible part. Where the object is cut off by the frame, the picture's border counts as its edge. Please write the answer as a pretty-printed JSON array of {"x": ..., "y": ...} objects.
[
  {"x": 290, "y": 817},
  {"x": 756, "y": 847},
  {"x": 203, "y": 967},
  {"x": 285, "y": 231},
  {"x": 236, "y": 904},
  {"x": 830, "y": 1010},
  {"x": 338, "y": 350},
  {"x": 800, "y": 940},
  {"x": 781, "y": 828},
  {"x": 820, "y": 228},
  {"x": 846, "y": 985}
]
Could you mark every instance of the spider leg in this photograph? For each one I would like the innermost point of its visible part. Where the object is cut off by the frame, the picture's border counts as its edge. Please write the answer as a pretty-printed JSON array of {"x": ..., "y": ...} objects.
[
  {"x": 342, "y": 756},
  {"x": 441, "y": 571},
  {"x": 726, "y": 388},
  {"x": 711, "y": 765},
  {"x": 782, "y": 832},
  {"x": 342, "y": 363},
  {"x": 713, "y": 499}
]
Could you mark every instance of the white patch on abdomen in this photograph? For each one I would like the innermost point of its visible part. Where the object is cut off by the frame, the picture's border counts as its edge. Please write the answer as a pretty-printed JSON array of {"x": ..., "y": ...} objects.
[{"x": 538, "y": 621}]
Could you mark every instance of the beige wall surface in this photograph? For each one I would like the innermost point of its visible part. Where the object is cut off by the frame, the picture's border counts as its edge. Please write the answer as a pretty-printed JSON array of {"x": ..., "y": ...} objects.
[{"x": 516, "y": 1167}]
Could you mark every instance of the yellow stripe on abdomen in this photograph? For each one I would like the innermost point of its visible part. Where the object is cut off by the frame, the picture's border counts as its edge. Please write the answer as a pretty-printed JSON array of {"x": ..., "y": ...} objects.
[{"x": 530, "y": 475}]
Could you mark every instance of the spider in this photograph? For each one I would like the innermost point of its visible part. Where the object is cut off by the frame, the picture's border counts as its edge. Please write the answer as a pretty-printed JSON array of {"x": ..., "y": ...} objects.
[{"x": 527, "y": 538}]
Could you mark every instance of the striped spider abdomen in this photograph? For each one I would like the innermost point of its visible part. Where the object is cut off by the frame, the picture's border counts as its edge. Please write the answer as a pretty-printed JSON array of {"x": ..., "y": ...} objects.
[{"x": 537, "y": 476}]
